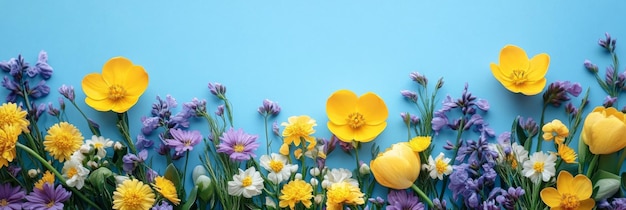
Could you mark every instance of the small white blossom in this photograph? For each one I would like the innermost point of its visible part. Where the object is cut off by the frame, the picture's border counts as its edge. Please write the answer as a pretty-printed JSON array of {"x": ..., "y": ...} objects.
[
  {"x": 438, "y": 167},
  {"x": 314, "y": 171},
  {"x": 338, "y": 175},
  {"x": 247, "y": 183},
  {"x": 364, "y": 169},
  {"x": 314, "y": 181},
  {"x": 75, "y": 174},
  {"x": 100, "y": 144},
  {"x": 540, "y": 166},
  {"x": 269, "y": 202},
  {"x": 118, "y": 146},
  {"x": 277, "y": 167}
]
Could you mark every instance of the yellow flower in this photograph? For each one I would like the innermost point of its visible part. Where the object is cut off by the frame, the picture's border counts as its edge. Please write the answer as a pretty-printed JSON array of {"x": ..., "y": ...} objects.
[
  {"x": 343, "y": 193},
  {"x": 397, "y": 167},
  {"x": 167, "y": 189},
  {"x": 62, "y": 140},
  {"x": 294, "y": 192},
  {"x": 518, "y": 74},
  {"x": 353, "y": 118},
  {"x": 555, "y": 130},
  {"x": 47, "y": 178},
  {"x": 11, "y": 114},
  {"x": 570, "y": 193},
  {"x": 118, "y": 87},
  {"x": 604, "y": 130},
  {"x": 8, "y": 139},
  {"x": 420, "y": 143},
  {"x": 298, "y": 128},
  {"x": 133, "y": 194},
  {"x": 567, "y": 154}
]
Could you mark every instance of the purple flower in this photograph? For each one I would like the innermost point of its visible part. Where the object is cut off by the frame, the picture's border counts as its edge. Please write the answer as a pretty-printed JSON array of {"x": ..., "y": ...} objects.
[
  {"x": 67, "y": 92},
  {"x": 11, "y": 196},
  {"x": 440, "y": 205},
  {"x": 377, "y": 200},
  {"x": 269, "y": 108},
  {"x": 53, "y": 111},
  {"x": 217, "y": 89},
  {"x": 131, "y": 161},
  {"x": 609, "y": 101},
  {"x": 14, "y": 170},
  {"x": 238, "y": 145},
  {"x": 590, "y": 66},
  {"x": 150, "y": 175},
  {"x": 482, "y": 104},
  {"x": 607, "y": 43},
  {"x": 439, "y": 121},
  {"x": 220, "y": 110},
  {"x": 143, "y": 142},
  {"x": 276, "y": 129},
  {"x": 149, "y": 124},
  {"x": 42, "y": 66},
  {"x": 47, "y": 198},
  {"x": 508, "y": 198},
  {"x": 183, "y": 141},
  {"x": 530, "y": 126},
  {"x": 163, "y": 206},
  {"x": 412, "y": 96},
  {"x": 558, "y": 92},
  {"x": 571, "y": 109},
  {"x": 345, "y": 146},
  {"x": 40, "y": 90},
  {"x": 504, "y": 140},
  {"x": 195, "y": 108},
  {"x": 419, "y": 78},
  {"x": 400, "y": 200}
]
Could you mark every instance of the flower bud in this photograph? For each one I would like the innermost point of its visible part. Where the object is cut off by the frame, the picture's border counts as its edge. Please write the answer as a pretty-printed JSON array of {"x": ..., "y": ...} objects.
[
  {"x": 120, "y": 179},
  {"x": 298, "y": 176},
  {"x": 314, "y": 181},
  {"x": 269, "y": 202},
  {"x": 118, "y": 146},
  {"x": 205, "y": 187},
  {"x": 92, "y": 164},
  {"x": 318, "y": 198},
  {"x": 32, "y": 173},
  {"x": 197, "y": 172},
  {"x": 364, "y": 169},
  {"x": 314, "y": 171},
  {"x": 85, "y": 149},
  {"x": 606, "y": 188}
]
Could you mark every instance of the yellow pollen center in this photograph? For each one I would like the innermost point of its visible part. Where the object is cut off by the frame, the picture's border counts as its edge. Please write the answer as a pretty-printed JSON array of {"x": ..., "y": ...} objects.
[
  {"x": 355, "y": 120},
  {"x": 519, "y": 76},
  {"x": 98, "y": 145},
  {"x": 276, "y": 166},
  {"x": 64, "y": 141},
  {"x": 71, "y": 172},
  {"x": 132, "y": 199},
  {"x": 513, "y": 160},
  {"x": 50, "y": 204},
  {"x": 441, "y": 166},
  {"x": 238, "y": 148},
  {"x": 116, "y": 92},
  {"x": 538, "y": 167},
  {"x": 187, "y": 142},
  {"x": 247, "y": 181},
  {"x": 4, "y": 202},
  {"x": 569, "y": 201}
]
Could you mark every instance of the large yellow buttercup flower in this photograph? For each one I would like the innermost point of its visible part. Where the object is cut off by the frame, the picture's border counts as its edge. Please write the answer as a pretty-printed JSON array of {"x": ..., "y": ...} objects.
[
  {"x": 518, "y": 74},
  {"x": 167, "y": 189},
  {"x": 397, "y": 168},
  {"x": 118, "y": 87},
  {"x": 8, "y": 139},
  {"x": 133, "y": 194},
  {"x": 353, "y": 118},
  {"x": 604, "y": 130},
  {"x": 570, "y": 193},
  {"x": 11, "y": 114},
  {"x": 62, "y": 141}
]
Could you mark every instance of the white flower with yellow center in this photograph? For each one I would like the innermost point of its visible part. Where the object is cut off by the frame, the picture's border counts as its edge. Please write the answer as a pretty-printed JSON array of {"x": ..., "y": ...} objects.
[
  {"x": 338, "y": 175},
  {"x": 247, "y": 183},
  {"x": 75, "y": 173},
  {"x": 540, "y": 166},
  {"x": 277, "y": 167},
  {"x": 100, "y": 144},
  {"x": 438, "y": 167}
]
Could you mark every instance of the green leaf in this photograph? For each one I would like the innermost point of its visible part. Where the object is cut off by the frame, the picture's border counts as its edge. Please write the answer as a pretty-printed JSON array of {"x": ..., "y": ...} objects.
[
  {"x": 191, "y": 200},
  {"x": 624, "y": 180},
  {"x": 171, "y": 173},
  {"x": 517, "y": 129},
  {"x": 583, "y": 152},
  {"x": 608, "y": 163}
]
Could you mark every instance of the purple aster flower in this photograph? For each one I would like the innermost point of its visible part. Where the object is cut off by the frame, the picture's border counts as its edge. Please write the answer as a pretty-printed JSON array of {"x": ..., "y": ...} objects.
[
  {"x": 217, "y": 89},
  {"x": 163, "y": 206},
  {"x": 400, "y": 200},
  {"x": 609, "y": 101},
  {"x": 42, "y": 66},
  {"x": 183, "y": 141},
  {"x": 238, "y": 145},
  {"x": 11, "y": 197},
  {"x": 419, "y": 78},
  {"x": 143, "y": 142},
  {"x": 269, "y": 108},
  {"x": 131, "y": 161},
  {"x": 220, "y": 110},
  {"x": 590, "y": 66},
  {"x": 412, "y": 96},
  {"x": 67, "y": 92},
  {"x": 47, "y": 198}
]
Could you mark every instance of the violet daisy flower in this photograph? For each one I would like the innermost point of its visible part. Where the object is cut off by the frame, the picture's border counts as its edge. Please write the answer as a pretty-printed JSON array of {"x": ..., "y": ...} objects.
[
  {"x": 183, "y": 140},
  {"x": 400, "y": 199},
  {"x": 48, "y": 197},
  {"x": 238, "y": 145},
  {"x": 11, "y": 197}
]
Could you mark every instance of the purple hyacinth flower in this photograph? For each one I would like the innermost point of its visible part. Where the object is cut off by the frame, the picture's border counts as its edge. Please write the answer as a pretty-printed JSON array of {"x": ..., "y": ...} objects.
[
  {"x": 49, "y": 198},
  {"x": 163, "y": 206},
  {"x": 400, "y": 200},
  {"x": 11, "y": 196},
  {"x": 195, "y": 108},
  {"x": 131, "y": 161},
  {"x": 482, "y": 104},
  {"x": 419, "y": 78},
  {"x": 275, "y": 129},
  {"x": 269, "y": 108},
  {"x": 238, "y": 145},
  {"x": 40, "y": 90},
  {"x": 143, "y": 142},
  {"x": 67, "y": 92},
  {"x": 440, "y": 205},
  {"x": 183, "y": 141},
  {"x": 42, "y": 66},
  {"x": 149, "y": 124}
]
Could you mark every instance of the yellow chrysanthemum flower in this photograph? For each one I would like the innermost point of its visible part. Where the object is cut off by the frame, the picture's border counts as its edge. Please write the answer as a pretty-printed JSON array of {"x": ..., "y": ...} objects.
[
  {"x": 11, "y": 114},
  {"x": 570, "y": 193},
  {"x": 297, "y": 128},
  {"x": 118, "y": 87},
  {"x": 567, "y": 154},
  {"x": 294, "y": 192},
  {"x": 342, "y": 193},
  {"x": 353, "y": 118},
  {"x": 555, "y": 130},
  {"x": 8, "y": 139},
  {"x": 62, "y": 140},
  {"x": 167, "y": 189},
  {"x": 518, "y": 74},
  {"x": 47, "y": 178},
  {"x": 133, "y": 194},
  {"x": 420, "y": 143}
]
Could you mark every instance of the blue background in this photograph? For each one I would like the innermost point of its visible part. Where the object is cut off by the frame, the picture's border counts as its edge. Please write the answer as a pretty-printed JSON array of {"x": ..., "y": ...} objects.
[{"x": 299, "y": 52}]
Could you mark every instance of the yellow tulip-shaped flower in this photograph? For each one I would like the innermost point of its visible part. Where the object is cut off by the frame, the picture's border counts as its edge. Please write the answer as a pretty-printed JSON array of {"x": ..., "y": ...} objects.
[
  {"x": 353, "y": 118},
  {"x": 570, "y": 193},
  {"x": 518, "y": 74},
  {"x": 118, "y": 87},
  {"x": 604, "y": 130},
  {"x": 396, "y": 168}
]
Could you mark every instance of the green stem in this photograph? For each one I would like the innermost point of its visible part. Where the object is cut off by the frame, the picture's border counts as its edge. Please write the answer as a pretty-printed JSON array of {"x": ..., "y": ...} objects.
[
  {"x": 268, "y": 143},
  {"x": 356, "y": 157},
  {"x": 185, "y": 170},
  {"x": 123, "y": 126},
  {"x": 592, "y": 165},
  {"x": 423, "y": 196},
  {"x": 622, "y": 157},
  {"x": 540, "y": 135},
  {"x": 94, "y": 131},
  {"x": 57, "y": 174}
]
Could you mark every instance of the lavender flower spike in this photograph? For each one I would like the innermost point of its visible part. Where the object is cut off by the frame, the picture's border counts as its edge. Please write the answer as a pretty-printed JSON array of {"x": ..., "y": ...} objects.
[
  {"x": 239, "y": 146},
  {"x": 269, "y": 108},
  {"x": 42, "y": 66},
  {"x": 593, "y": 68},
  {"x": 49, "y": 198},
  {"x": 419, "y": 78},
  {"x": 217, "y": 89},
  {"x": 67, "y": 92},
  {"x": 220, "y": 110},
  {"x": 183, "y": 140},
  {"x": 11, "y": 197},
  {"x": 412, "y": 96}
]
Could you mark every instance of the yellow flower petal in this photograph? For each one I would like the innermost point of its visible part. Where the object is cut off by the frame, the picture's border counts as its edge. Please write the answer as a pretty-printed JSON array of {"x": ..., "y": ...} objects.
[
  {"x": 587, "y": 204},
  {"x": 339, "y": 105},
  {"x": 564, "y": 183},
  {"x": 100, "y": 105},
  {"x": 532, "y": 88},
  {"x": 498, "y": 74},
  {"x": 115, "y": 70},
  {"x": 608, "y": 136},
  {"x": 538, "y": 67},
  {"x": 513, "y": 57},
  {"x": 139, "y": 82},
  {"x": 342, "y": 132},
  {"x": 124, "y": 104},
  {"x": 95, "y": 87},
  {"x": 581, "y": 186},
  {"x": 396, "y": 168},
  {"x": 368, "y": 133},
  {"x": 551, "y": 197},
  {"x": 373, "y": 108}
]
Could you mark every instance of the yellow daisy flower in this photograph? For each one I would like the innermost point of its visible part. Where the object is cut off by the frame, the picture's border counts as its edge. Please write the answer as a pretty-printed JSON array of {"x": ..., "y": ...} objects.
[
  {"x": 294, "y": 192},
  {"x": 118, "y": 87},
  {"x": 62, "y": 140},
  {"x": 167, "y": 189},
  {"x": 567, "y": 154},
  {"x": 420, "y": 143},
  {"x": 11, "y": 114},
  {"x": 47, "y": 177},
  {"x": 298, "y": 128},
  {"x": 342, "y": 193},
  {"x": 8, "y": 139},
  {"x": 133, "y": 194}
]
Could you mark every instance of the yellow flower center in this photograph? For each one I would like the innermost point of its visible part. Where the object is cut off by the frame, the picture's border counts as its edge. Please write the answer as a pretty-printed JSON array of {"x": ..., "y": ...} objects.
[
  {"x": 50, "y": 204},
  {"x": 71, "y": 172},
  {"x": 355, "y": 120},
  {"x": 519, "y": 76},
  {"x": 511, "y": 158},
  {"x": 98, "y": 145},
  {"x": 132, "y": 199},
  {"x": 187, "y": 142},
  {"x": 247, "y": 181},
  {"x": 440, "y": 166},
  {"x": 276, "y": 166},
  {"x": 4, "y": 202},
  {"x": 116, "y": 92},
  {"x": 238, "y": 148},
  {"x": 538, "y": 166},
  {"x": 64, "y": 141},
  {"x": 569, "y": 201}
]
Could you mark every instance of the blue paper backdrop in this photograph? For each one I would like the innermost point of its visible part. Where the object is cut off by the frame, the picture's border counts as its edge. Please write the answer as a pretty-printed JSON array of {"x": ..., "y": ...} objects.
[{"x": 299, "y": 52}]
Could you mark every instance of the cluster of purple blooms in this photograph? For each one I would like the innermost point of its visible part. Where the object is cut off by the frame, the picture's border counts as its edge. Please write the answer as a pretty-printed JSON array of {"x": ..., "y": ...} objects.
[
  {"x": 560, "y": 92},
  {"x": 49, "y": 197},
  {"x": 615, "y": 204},
  {"x": 467, "y": 104}
]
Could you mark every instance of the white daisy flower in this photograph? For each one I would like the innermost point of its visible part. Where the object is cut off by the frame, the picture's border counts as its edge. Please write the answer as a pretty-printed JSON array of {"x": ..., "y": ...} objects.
[
  {"x": 247, "y": 183},
  {"x": 277, "y": 167},
  {"x": 100, "y": 144},
  {"x": 540, "y": 166},
  {"x": 75, "y": 173},
  {"x": 438, "y": 167},
  {"x": 338, "y": 175}
]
